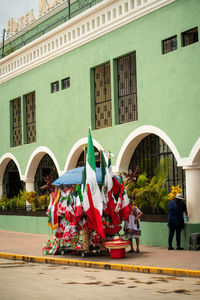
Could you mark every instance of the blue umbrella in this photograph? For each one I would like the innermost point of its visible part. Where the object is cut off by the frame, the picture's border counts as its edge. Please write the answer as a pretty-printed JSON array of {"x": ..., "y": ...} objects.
[{"x": 74, "y": 176}]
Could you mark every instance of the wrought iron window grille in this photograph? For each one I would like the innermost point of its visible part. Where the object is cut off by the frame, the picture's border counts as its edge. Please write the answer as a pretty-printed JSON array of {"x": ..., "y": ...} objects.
[
  {"x": 16, "y": 121},
  {"x": 127, "y": 88},
  {"x": 102, "y": 96}
]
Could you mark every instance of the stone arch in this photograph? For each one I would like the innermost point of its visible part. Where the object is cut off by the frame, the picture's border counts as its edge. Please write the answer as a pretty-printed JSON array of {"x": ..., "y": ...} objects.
[
  {"x": 134, "y": 139},
  {"x": 194, "y": 157},
  {"x": 75, "y": 152},
  {"x": 3, "y": 163},
  {"x": 34, "y": 161}
]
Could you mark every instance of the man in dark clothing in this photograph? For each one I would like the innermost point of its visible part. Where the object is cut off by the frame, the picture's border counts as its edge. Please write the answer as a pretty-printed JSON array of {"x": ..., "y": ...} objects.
[{"x": 175, "y": 220}]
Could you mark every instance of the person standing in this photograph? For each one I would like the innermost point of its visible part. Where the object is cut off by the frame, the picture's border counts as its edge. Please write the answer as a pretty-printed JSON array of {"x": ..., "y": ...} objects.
[
  {"x": 132, "y": 227},
  {"x": 175, "y": 220}
]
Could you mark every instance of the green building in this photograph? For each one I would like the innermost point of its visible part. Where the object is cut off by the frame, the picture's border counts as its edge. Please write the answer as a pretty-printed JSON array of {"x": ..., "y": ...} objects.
[{"x": 130, "y": 69}]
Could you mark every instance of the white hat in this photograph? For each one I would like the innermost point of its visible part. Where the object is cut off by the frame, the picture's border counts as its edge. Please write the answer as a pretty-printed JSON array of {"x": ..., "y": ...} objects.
[{"x": 179, "y": 196}]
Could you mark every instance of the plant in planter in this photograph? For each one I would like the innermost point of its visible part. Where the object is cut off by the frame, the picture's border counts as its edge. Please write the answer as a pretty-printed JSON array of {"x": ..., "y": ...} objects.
[
  {"x": 4, "y": 203},
  {"x": 38, "y": 202},
  {"x": 16, "y": 203},
  {"x": 150, "y": 195}
]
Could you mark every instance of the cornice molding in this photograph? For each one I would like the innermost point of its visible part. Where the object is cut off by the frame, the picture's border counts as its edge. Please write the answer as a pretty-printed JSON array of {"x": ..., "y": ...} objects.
[{"x": 102, "y": 18}]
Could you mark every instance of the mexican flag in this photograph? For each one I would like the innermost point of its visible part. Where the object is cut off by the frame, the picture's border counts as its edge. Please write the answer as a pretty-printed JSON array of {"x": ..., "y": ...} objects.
[
  {"x": 108, "y": 183},
  {"x": 104, "y": 188},
  {"x": 92, "y": 198},
  {"x": 120, "y": 193},
  {"x": 52, "y": 211},
  {"x": 78, "y": 205}
]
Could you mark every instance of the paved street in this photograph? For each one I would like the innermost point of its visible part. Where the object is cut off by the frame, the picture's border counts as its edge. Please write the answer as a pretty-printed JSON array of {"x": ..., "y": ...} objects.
[{"x": 22, "y": 280}]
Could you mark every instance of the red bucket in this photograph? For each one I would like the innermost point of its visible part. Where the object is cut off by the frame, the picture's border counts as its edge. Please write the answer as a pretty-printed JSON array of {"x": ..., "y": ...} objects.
[{"x": 117, "y": 253}]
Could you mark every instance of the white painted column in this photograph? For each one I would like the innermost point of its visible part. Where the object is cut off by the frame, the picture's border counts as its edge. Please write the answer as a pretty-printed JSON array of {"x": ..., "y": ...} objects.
[
  {"x": 193, "y": 193},
  {"x": 29, "y": 185},
  {"x": 29, "y": 188}
]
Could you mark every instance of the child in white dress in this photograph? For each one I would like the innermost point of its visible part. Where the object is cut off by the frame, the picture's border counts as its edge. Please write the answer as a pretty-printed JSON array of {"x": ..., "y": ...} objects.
[{"x": 132, "y": 227}]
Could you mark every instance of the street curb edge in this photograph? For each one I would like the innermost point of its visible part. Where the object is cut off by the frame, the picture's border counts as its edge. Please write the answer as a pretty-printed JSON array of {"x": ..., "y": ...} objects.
[{"x": 101, "y": 265}]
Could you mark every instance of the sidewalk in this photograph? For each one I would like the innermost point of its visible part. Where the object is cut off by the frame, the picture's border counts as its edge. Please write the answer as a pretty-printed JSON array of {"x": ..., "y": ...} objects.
[{"x": 150, "y": 260}]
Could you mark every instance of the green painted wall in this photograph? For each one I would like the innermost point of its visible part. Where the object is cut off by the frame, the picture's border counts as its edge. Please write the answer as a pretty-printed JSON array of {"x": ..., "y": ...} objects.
[
  {"x": 167, "y": 85},
  {"x": 27, "y": 224},
  {"x": 153, "y": 233},
  {"x": 156, "y": 234}
]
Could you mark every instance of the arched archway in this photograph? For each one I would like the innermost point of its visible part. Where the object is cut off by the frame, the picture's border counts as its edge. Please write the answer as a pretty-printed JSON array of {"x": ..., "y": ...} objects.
[
  {"x": 132, "y": 141},
  {"x": 46, "y": 167},
  {"x": 10, "y": 172},
  {"x": 12, "y": 183},
  {"x": 81, "y": 160},
  {"x": 149, "y": 153},
  {"x": 194, "y": 157},
  {"x": 33, "y": 165},
  {"x": 76, "y": 155}
]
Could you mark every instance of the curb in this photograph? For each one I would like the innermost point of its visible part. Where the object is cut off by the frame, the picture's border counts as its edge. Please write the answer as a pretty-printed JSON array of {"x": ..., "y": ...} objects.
[{"x": 101, "y": 265}]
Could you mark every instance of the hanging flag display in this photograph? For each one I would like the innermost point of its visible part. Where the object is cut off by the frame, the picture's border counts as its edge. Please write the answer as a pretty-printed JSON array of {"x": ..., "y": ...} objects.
[
  {"x": 92, "y": 198},
  {"x": 88, "y": 204}
]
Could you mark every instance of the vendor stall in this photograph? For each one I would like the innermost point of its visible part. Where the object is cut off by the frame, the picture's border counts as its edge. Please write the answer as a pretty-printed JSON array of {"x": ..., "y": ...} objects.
[{"x": 87, "y": 208}]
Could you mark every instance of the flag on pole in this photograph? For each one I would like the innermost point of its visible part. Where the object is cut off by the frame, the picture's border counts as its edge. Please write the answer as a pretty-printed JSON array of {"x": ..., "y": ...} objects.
[
  {"x": 104, "y": 189},
  {"x": 120, "y": 193},
  {"x": 53, "y": 209},
  {"x": 111, "y": 202},
  {"x": 92, "y": 198}
]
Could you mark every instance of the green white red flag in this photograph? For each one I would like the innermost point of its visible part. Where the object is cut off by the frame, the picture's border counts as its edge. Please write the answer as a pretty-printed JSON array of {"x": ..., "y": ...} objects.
[
  {"x": 52, "y": 210},
  {"x": 92, "y": 198},
  {"x": 111, "y": 202}
]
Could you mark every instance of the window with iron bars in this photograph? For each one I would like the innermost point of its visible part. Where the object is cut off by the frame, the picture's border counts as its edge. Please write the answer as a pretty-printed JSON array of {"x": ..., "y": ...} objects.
[
  {"x": 169, "y": 44},
  {"x": 102, "y": 96},
  {"x": 150, "y": 151},
  {"x": 127, "y": 88},
  {"x": 30, "y": 118},
  {"x": 16, "y": 122}
]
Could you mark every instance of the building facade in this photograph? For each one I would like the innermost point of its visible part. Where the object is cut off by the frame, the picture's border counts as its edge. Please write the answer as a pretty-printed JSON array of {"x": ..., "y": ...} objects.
[{"x": 130, "y": 69}]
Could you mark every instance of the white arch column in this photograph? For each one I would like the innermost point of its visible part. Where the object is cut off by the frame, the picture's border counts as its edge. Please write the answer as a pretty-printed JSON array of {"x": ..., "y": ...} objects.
[
  {"x": 29, "y": 188},
  {"x": 29, "y": 185},
  {"x": 192, "y": 174}
]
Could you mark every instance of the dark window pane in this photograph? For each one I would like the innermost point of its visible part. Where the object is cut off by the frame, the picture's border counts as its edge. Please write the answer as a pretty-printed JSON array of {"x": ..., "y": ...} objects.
[
  {"x": 190, "y": 37},
  {"x": 169, "y": 44},
  {"x": 65, "y": 83},
  {"x": 55, "y": 87}
]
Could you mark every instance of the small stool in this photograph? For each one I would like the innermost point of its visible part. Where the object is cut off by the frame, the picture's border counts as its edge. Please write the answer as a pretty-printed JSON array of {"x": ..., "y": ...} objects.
[{"x": 194, "y": 241}]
